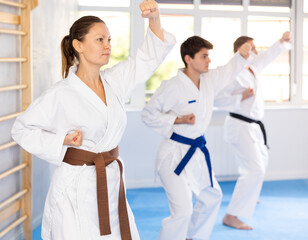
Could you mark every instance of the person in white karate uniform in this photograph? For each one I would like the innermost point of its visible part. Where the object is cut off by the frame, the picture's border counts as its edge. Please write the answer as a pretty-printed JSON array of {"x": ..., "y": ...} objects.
[
  {"x": 244, "y": 133},
  {"x": 181, "y": 108},
  {"x": 84, "y": 114}
]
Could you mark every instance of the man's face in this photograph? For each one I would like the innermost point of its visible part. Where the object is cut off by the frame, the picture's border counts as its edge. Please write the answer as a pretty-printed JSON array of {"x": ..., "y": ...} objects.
[{"x": 200, "y": 63}]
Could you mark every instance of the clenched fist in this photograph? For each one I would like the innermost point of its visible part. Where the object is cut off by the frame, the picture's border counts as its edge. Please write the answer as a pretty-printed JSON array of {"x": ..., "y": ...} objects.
[
  {"x": 74, "y": 139},
  {"x": 285, "y": 37},
  {"x": 247, "y": 93},
  {"x": 149, "y": 9},
  {"x": 188, "y": 119},
  {"x": 244, "y": 50}
]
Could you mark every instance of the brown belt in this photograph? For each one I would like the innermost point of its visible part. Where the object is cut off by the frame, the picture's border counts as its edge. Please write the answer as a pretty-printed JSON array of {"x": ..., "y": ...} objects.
[{"x": 80, "y": 157}]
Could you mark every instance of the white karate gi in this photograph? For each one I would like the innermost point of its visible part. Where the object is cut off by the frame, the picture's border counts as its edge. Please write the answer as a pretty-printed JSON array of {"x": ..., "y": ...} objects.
[
  {"x": 71, "y": 205},
  {"x": 174, "y": 98},
  {"x": 245, "y": 138}
]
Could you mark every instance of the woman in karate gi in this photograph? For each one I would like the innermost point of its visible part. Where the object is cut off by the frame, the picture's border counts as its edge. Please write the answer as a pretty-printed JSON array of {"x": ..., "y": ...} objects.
[
  {"x": 245, "y": 135},
  {"x": 77, "y": 125},
  {"x": 181, "y": 110}
]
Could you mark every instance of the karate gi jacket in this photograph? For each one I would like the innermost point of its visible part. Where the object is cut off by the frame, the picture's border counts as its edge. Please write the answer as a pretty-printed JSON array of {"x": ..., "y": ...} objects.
[{"x": 71, "y": 205}]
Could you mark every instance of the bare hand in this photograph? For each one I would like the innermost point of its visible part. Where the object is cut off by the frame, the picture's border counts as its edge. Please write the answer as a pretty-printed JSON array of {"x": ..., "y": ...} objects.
[
  {"x": 189, "y": 119},
  {"x": 149, "y": 9},
  {"x": 74, "y": 139},
  {"x": 285, "y": 37},
  {"x": 244, "y": 50},
  {"x": 249, "y": 92}
]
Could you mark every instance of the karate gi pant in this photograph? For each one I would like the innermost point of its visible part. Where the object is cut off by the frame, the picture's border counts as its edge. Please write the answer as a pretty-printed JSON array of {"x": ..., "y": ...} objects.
[
  {"x": 71, "y": 206},
  {"x": 188, "y": 221},
  {"x": 252, "y": 158}
]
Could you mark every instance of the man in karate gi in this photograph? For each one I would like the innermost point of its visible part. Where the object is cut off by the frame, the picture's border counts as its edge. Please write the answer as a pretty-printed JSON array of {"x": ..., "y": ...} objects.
[
  {"x": 181, "y": 110},
  {"x": 245, "y": 132}
]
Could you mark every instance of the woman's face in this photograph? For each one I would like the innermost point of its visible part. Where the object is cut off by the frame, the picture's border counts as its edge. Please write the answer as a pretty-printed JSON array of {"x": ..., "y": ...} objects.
[{"x": 96, "y": 48}]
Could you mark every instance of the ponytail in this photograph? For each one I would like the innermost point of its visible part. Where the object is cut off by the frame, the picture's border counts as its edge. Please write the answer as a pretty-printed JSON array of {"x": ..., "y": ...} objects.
[{"x": 68, "y": 57}]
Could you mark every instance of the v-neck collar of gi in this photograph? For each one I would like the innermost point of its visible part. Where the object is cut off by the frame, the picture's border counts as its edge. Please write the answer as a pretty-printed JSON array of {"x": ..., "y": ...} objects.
[
  {"x": 87, "y": 91},
  {"x": 188, "y": 82}
]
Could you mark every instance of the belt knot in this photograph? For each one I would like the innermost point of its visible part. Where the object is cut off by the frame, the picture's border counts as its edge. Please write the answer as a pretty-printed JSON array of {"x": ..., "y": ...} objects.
[{"x": 199, "y": 142}]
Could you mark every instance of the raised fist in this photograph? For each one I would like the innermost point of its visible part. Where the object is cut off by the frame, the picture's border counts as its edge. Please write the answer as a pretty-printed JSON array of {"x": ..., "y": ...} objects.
[
  {"x": 285, "y": 37},
  {"x": 149, "y": 9},
  {"x": 244, "y": 50}
]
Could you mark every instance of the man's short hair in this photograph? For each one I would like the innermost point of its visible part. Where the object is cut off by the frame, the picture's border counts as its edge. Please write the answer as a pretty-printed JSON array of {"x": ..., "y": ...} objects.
[
  {"x": 193, "y": 45},
  {"x": 240, "y": 41}
]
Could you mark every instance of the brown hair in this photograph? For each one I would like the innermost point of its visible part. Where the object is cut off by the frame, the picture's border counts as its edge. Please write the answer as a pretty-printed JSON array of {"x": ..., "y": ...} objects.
[
  {"x": 78, "y": 30},
  {"x": 240, "y": 41},
  {"x": 193, "y": 45}
]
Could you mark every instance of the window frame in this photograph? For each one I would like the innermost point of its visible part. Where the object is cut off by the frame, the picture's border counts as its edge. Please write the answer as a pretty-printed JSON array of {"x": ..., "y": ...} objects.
[{"x": 137, "y": 100}]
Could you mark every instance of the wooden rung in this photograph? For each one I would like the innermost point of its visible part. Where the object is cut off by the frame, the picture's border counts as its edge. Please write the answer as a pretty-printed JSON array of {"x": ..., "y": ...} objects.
[
  {"x": 13, "y": 59},
  {"x": 10, "y": 116},
  {"x": 9, "y": 18},
  {"x": 10, "y": 31},
  {"x": 13, "y": 170},
  {"x": 13, "y": 198},
  {"x": 13, "y": 87},
  {"x": 33, "y": 4},
  {"x": 7, "y": 145},
  {"x": 13, "y": 225},
  {"x": 13, "y": 4},
  {"x": 10, "y": 210}
]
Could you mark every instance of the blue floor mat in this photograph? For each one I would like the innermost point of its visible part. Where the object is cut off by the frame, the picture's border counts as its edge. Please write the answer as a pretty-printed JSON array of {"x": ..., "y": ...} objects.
[{"x": 281, "y": 215}]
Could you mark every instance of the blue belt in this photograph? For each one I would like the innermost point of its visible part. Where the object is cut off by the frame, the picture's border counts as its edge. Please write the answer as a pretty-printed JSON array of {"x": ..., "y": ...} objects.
[{"x": 199, "y": 142}]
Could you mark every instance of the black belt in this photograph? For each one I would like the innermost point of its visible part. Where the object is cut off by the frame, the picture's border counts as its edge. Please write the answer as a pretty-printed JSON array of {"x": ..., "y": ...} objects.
[{"x": 249, "y": 120}]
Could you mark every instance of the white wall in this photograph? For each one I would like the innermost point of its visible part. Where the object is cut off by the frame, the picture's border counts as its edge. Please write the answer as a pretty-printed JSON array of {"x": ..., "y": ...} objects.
[
  {"x": 50, "y": 21},
  {"x": 287, "y": 131}
]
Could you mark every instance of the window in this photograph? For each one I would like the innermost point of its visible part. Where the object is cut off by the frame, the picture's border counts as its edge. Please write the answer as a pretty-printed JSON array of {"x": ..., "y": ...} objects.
[
  {"x": 119, "y": 39},
  {"x": 270, "y": 5},
  {"x": 173, "y": 61},
  {"x": 177, "y": 4},
  {"x": 233, "y": 5},
  {"x": 305, "y": 52},
  {"x": 305, "y": 6},
  {"x": 276, "y": 76},
  {"x": 216, "y": 31},
  {"x": 220, "y": 22},
  {"x": 305, "y": 60},
  {"x": 105, "y": 3}
]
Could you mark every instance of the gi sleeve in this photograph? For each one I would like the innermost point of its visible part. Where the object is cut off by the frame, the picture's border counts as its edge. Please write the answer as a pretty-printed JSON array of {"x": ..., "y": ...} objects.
[
  {"x": 35, "y": 132},
  {"x": 158, "y": 114},
  {"x": 265, "y": 58},
  {"x": 228, "y": 102},
  {"x": 229, "y": 99},
  {"x": 137, "y": 69},
  {"x": 224, "y": 75}
]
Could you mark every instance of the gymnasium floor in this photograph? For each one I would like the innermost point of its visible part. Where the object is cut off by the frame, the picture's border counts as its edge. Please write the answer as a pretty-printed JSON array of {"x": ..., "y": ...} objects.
[{"x": 281, "y": 215}]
